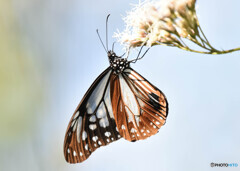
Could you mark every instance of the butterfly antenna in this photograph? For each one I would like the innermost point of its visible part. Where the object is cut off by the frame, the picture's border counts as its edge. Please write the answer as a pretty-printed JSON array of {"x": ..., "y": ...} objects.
[
  {"x": 107, "y": 31},
  {"x": 101, "y": 40},
  {"x": 113, "y": 46},
  {"x": 144, "y": 54}
]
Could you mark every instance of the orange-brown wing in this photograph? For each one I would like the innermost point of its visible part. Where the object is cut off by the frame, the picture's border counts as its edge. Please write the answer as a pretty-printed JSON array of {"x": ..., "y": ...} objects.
[
  {"x": 140, "y": 108},
  {"x": 92, "y": 124}
]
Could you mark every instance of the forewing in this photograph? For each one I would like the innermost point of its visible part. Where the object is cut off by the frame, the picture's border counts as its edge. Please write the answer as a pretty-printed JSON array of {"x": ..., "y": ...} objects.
[
  {"x": 139, "y": 107},
  {"x": 92, "y": 124}
]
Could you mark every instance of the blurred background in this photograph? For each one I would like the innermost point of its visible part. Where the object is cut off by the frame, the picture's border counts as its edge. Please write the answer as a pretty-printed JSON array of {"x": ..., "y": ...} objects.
[{"x": 50, "y": 54}]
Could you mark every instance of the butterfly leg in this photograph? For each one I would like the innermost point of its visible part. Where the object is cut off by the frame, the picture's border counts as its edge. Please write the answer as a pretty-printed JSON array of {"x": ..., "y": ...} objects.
[{"x": 138, "y": 58}]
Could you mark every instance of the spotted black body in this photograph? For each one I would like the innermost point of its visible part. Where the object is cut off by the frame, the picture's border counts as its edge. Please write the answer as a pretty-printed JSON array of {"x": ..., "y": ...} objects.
[{"x": 117, "y": 63}]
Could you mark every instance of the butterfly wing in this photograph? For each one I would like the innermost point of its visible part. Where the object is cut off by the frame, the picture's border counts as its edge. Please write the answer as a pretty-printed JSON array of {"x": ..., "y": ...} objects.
[
  {"x": 140, "y": 108},
  {"x": 92, "y": 124}
]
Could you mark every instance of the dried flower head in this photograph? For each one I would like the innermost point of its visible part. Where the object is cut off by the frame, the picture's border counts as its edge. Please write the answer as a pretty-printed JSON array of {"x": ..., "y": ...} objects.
[{"x": 165, "y": 22}]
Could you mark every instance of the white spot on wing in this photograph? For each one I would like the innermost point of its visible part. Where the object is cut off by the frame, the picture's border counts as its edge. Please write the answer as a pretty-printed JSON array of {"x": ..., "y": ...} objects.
[
  {"x": 76, "y": 115},
  {"x": 120, "y": 106},
  {"x": 123, "y": 127},
  {"x": 95, "y": 138},
  {"x": 104, "y": 122},
  {"x": 107, "y": 134},
  {"x": 157, "y": 123},
  {"x": 84, "y": 135},
  {"x": 74, "y": 153},
  {"x": 68, "y": 150},
  {"x": 99, "y": 142},
  {"x": 74, "y": 125},
  {"x": 86, "y": 147},
  {"x": 81, "y": 154},
  {"x": 92, "y": 126},
  {"x": 137, "y": 118},
  {"x": 93, "y": 118},
  {"x": 79, "y": 127},
  {"x": 133, "y": 130},
  {"x": 101, "y": 112}
]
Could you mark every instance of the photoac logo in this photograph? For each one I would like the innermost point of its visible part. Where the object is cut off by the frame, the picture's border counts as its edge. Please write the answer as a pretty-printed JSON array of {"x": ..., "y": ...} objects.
[{"x": 224, "y": 165}]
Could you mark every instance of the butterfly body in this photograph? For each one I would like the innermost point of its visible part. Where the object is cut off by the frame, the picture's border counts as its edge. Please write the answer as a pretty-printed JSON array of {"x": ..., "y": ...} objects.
[
  {"x": 117, "y": 63},
  {"x": 119, "y": 103}
]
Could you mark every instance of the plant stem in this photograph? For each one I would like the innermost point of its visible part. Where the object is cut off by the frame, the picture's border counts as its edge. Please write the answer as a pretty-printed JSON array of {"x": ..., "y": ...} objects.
[{"x": 213, "y": 52}]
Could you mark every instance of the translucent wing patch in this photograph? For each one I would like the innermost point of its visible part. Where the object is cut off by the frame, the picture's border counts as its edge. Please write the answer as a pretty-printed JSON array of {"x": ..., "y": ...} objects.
[
  {"x": 140, "y": 108},
  {"x": 92, "y": 124}
]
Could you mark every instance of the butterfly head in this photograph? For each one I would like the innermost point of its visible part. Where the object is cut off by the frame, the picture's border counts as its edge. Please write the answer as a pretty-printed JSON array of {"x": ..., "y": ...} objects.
[{"x": 118, "y": 64}]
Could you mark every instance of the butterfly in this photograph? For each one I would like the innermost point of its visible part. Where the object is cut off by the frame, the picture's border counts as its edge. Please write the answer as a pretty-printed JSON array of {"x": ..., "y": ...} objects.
[{"x": 119, "y": 104}]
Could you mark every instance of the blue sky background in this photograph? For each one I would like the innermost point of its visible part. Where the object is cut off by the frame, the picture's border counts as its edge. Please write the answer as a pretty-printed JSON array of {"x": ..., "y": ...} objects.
[{"x": 64, "y": 56}]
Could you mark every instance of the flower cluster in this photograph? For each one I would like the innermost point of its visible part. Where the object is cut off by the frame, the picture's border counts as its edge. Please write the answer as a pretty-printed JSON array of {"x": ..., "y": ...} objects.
[{"x": 165, "y": 22}]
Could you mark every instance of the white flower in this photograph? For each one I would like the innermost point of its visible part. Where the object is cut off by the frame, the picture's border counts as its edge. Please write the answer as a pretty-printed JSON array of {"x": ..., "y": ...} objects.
[
  {"x": 165, "y": 22},
  {"x": 157, "y": 22}
]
